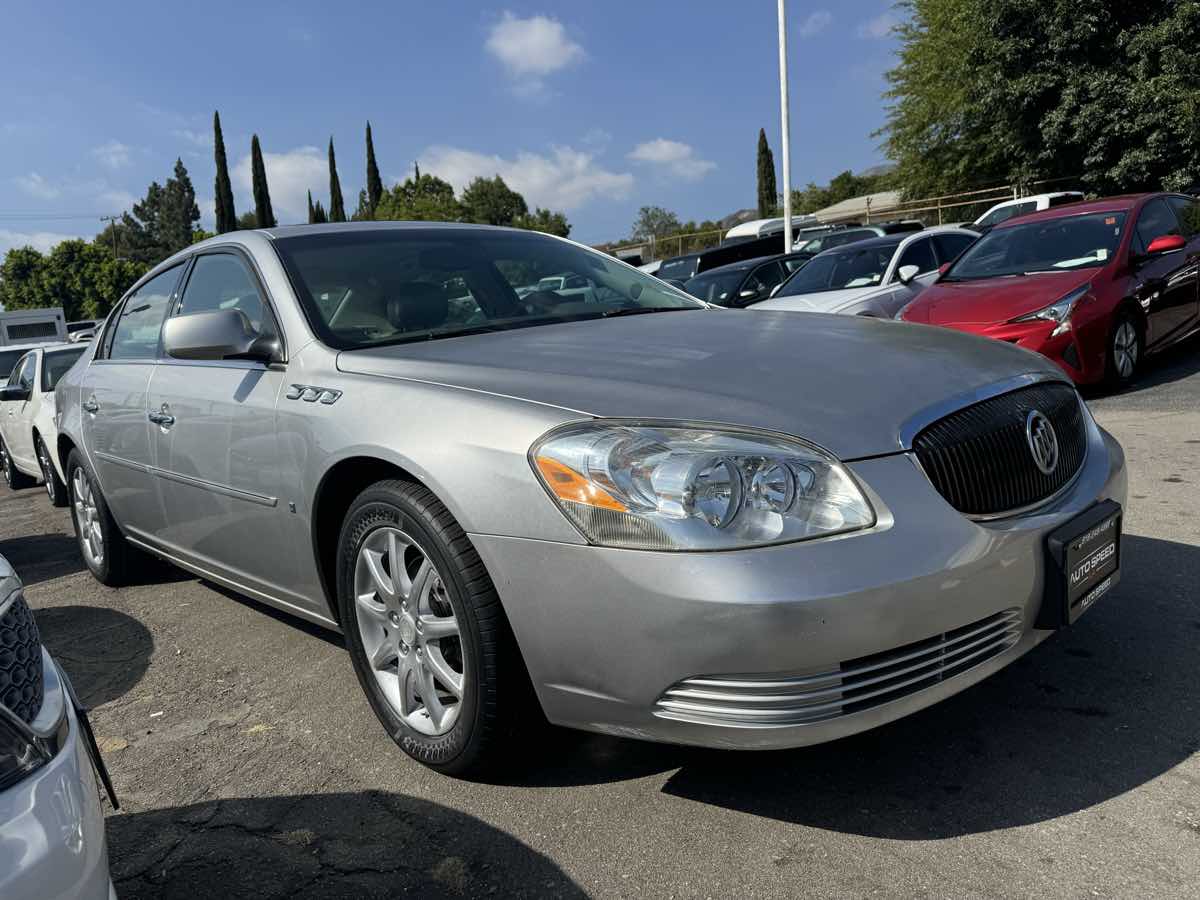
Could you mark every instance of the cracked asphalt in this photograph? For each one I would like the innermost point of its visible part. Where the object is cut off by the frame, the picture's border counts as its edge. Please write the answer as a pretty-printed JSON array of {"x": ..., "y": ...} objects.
[{"x": 249, "y": 765}]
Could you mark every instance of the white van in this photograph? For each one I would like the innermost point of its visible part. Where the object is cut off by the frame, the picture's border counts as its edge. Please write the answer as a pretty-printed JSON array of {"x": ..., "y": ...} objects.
[
  {"x": 33, "y": 326},
  {"x": 1010, "y": 209}
]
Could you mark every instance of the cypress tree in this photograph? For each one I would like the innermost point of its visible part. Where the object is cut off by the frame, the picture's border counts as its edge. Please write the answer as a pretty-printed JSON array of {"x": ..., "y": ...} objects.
[
  {"x": 311, "y": 212},
  {"x": 374, "y": 182},
  {"x": 337, "y": 209},
  {"x": 263, "y": 213},
  {"x": 768, "y": 198},
  {"x": 319, "y": 214},
  {"x": 226, "y": 216}
]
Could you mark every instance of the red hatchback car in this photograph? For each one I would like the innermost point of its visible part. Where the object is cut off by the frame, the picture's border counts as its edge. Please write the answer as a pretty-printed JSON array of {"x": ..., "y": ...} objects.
[{"x": 1094, "y": 286}]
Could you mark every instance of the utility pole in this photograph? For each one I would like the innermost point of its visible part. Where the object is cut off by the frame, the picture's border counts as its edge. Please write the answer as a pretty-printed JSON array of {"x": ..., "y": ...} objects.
[
  {"x": 113, "y": 220},
  {"x": 783, "y": 117}
]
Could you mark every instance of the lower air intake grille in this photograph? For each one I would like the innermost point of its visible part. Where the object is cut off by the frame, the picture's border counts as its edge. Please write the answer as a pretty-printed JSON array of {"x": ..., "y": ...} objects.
[
  {"x": 857, "y": 684},
  {"x": 20, "y": 661}
]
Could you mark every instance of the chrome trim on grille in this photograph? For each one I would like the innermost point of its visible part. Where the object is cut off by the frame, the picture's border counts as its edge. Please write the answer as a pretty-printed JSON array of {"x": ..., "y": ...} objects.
[
  {"x": 765, "y": 701},
  {"x": 918, "y": 422}
]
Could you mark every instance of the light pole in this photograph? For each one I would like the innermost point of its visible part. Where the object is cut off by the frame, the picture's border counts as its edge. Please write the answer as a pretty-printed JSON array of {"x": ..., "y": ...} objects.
[
  {"x": 783, "y": 121},
  {"x": 113, "y": 220}
]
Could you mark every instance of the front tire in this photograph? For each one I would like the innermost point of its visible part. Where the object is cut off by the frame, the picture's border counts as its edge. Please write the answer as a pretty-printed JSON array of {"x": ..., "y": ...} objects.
[
  {"x": 13, "y": 477},
  {"x": 1126, "y": 346},
  {"x": 101, "y": 543},
  {"x": 55, "y": 488},
  {"x": 429, "y": 641}
]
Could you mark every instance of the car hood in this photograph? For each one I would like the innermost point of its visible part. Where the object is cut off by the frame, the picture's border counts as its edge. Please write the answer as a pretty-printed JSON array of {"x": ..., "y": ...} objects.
[
  {"x": 822, "y": 301},
  {"x": 992, "y": 300},
  {"x": 846, "y": 383}
]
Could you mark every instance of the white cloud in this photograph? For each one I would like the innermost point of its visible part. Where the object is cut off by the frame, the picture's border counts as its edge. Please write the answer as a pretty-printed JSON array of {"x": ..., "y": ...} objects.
[
  {"x": 198, "y": 138},
  {"x": 37, "y": 186},
  {"x": 290, "y": 176},
  {"x": 816, "y": 23},
  {"x": 115, "y": 200},
  {"x": 564, "y": 179},
  {"x": 39, "y": 240},
  {"x": 672, "y": 158},
  {"x": 535, "y": 46},
  {"x": 879, "y": 27},
  {"x": 113, "y": 154}
]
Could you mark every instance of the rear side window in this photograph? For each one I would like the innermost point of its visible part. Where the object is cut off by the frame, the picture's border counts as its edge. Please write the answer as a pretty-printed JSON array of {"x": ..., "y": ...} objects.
[
  {"x": 55, "y": 365},
  {"x": 222, "y": 281},
  {"x": 1188, "y": 212},
  {"x": 948, "y": 246},
  {"x": 137, "y": 331}
]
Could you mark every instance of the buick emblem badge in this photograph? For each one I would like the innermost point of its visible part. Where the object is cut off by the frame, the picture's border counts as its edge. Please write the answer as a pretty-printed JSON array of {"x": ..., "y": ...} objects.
[{"x": 1043, "y": 442}]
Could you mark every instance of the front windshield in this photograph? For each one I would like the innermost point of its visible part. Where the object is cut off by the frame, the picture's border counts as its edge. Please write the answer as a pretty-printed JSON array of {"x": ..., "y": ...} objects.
[
  {"x": 854, "y": 267},
  {"x": 1051, "y": 245},
  {"x": 682, "y": 268},
  {"x": 715, "y": 287},
  {"x": 362, "y": 288},
  {"x": 56, "y": 364}
]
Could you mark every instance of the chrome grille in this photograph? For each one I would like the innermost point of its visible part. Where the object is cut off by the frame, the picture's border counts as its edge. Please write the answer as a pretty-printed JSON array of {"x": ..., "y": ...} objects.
[
  {"x": 20, "y": 661},
  {"x": 857, "y": 684},
  {"x": 980, "y": 460}
]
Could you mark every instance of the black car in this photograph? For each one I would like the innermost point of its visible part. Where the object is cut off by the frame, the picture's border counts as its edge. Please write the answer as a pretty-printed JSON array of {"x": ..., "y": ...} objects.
[{"x": 746, "y": 281}]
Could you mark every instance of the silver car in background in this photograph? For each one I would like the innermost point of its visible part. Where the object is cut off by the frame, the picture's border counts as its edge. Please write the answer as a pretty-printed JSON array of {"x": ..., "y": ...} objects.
[
  {"x": 52, "y": 841},
  {"x": 640, "y": 514}
]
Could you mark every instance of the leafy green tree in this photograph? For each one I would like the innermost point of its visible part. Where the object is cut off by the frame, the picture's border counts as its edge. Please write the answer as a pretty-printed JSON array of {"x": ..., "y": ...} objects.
[
  {"x": 374, "y": 182},
  {"x": 544, "y": 220},
  {"x": 319, "y": 214},
  {"x": 420, "y": 198},
  {"x": 80, "y": 276},
  {"x": 654, "y": 222},
  {"x": 247, "y": 220},
  {"x": 337, "y": 207},
  {"x": 1011, "y": 91},
  {"x": 226, "y": 216},
  {"x": 311, "y": 212},
  {"x": 768, "y": 196},
  {"x": 20, "y": 279},
  {"x": 163, "y": 222},
  {"x": 843, "y": 187},
  {"x": 489, "y": 201},
  {"x": 264, "y": 216}
]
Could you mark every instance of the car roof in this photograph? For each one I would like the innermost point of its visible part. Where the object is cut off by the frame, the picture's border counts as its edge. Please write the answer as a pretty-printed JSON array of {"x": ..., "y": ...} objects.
[
  {"x": 747, "y": 263},
  {"x": 1122, "y": 203},
  {"x": 54, "y": 345},
  {"x": 887, "y": 240}
]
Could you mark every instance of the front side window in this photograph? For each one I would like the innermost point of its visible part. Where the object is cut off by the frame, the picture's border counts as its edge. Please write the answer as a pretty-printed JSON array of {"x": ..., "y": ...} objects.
[
  {"x": 1050, "y": 245},
  {"x": 400, "y": 285},
  {"x": 56, "y": 364},
  {"x": 1155, "y": 220},
  {"x": 136, "y": 333},
  {"x": 853, "y": 267},
  {"x": 222, "y": 281},
  {"x": 949, "y": 246},
  {"x": 22, "y": 373},
  {"x": 919, "y": 254},
  {"x": 8, "y": 362},
  {"x": 763, "y": 279}
]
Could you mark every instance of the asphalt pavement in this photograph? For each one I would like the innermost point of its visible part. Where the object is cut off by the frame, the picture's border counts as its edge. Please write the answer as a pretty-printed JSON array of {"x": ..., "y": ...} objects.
[{"x": 249, "y": 765}]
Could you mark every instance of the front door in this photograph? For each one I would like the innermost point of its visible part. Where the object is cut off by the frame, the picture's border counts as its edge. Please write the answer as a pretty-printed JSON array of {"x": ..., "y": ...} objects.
[
  {"x": 14, "y": 420},
  {"x": 1165, "y": 284},
  {"x": 116, "y": 432},
  {"x": 216, "y": 459}
]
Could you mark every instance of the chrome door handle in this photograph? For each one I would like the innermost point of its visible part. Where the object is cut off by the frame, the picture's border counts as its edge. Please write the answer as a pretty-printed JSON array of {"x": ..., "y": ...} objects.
[{"x": 91, "y": 405}]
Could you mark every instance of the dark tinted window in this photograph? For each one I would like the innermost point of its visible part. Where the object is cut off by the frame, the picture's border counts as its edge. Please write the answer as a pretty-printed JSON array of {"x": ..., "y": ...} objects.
[
  {"x": 222, "y": 281},
  {"x": 948, "y": 246},
  {"x": 136, "y": 334},
  {"x": 764, "y": 278},
  {"x": 1188, "y": 212},
  {"x": 1065, "y": 198},
  {"x": 919, "y": 254},
  {"x": 1155, "y": 220},
  {"x": 56, "y": 364},
  {"x": 716, "y": 287},
  {"x": 23, "y": 373},
  {"x": 8, "y": 359},
  {"x": 682, "y": 268}
]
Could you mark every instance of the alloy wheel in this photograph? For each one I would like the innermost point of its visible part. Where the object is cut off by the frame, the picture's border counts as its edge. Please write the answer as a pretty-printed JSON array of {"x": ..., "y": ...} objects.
[
  {"x": 409, "y": 631},
  {"x": 5, "y": 462},
  {"x": 1125, "y": 349},
  {"x": 87, "y": 518}
]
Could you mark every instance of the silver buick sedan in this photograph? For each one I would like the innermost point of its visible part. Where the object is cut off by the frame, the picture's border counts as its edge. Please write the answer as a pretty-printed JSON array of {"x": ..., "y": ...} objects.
[{"x": 619, "y": 507}]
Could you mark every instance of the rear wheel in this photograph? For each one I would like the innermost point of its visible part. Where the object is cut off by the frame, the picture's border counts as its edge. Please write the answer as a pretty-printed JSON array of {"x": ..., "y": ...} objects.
[
  {"x": 1125, "y": 349},
  {"x": 103, "y": 547},
  {"x": 13, "y": 477},
  {"x": 55, "y": 488},
  {"x": 428, "y": 639}
]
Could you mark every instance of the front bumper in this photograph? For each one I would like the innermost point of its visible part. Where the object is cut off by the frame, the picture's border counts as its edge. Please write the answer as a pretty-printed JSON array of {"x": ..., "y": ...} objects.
[
  {"x": 1070, "y": 350},
  {"x": 52, "y": 841},
  {"x": 606, "y": 633}
]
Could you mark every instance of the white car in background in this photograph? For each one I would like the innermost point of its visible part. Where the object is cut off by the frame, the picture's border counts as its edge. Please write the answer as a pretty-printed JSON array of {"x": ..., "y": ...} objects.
[
  {"x": 1023, "y": 206},
  {"x": 28, "y": 430},
  {"x": 876, "y": 277}
]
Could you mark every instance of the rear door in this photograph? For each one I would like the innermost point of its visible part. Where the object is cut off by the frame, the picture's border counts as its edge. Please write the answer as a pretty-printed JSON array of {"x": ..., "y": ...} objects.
[
  {"x": 1187, "y": 211},
  {"x": 116, "y": 432},
  {"x": 216, "y": 456},
  {"x": 1164, "y": 284},
  {"x": 13, "y": 416}
]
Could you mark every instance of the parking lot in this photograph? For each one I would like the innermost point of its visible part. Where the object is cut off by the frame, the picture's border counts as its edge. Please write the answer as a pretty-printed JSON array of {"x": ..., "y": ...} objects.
[{"x": 249, "y": 764}]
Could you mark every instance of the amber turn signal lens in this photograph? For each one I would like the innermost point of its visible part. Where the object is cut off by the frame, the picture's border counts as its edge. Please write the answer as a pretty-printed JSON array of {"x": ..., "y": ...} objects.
[{"x": 567, "y": 484}]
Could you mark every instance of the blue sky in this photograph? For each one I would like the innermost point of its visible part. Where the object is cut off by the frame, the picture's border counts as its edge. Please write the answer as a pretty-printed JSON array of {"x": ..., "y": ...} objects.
[{"x": 592, "y": 108}]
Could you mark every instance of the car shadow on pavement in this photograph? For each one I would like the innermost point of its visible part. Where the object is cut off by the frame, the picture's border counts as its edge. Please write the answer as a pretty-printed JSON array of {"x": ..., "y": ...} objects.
[
  {"x": 42, "y": 557},
  {"x": 1173, "y": 364},
  {"x": 1098, "y": 710},
  {"x": 367, "y": 844},
  {"x": 104, "y": 652}
]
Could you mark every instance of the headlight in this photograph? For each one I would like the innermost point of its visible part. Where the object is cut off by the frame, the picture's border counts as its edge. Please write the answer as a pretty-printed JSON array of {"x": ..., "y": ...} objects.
[
  {"x": 650, "y": 486},
  {"x": 1059, "y": 311}
]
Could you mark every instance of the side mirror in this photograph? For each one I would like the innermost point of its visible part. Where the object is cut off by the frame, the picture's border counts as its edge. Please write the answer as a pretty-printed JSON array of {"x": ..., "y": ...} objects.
[
  {"x": 747, "y": 293},
  {"x": 905, "y": 274},
  {"x": 220, "y": 334},
  {"x": 14, "y": 393},
  {"x": 1166, "y": 243}
]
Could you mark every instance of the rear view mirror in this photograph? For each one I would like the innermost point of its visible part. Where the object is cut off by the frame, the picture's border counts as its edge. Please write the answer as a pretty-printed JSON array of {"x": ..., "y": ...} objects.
[
  {"x": 14, "y": 393},
  {"x": 1166, "y": 243},
  {"x": 220, "y": 334},
  {"x": 905, "y": 274}
]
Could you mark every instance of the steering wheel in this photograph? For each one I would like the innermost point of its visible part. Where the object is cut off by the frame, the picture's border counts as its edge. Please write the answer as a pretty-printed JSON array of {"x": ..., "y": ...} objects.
[{"x": 542, "y": 300}]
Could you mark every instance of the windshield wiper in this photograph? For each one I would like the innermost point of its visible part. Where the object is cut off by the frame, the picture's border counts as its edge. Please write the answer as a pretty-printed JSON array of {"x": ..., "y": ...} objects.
[{"x": 638, "y": 310}]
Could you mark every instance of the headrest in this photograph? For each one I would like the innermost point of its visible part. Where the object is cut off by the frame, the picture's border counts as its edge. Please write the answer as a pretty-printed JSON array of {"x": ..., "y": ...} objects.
[{"x": 416, "y": 305}]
